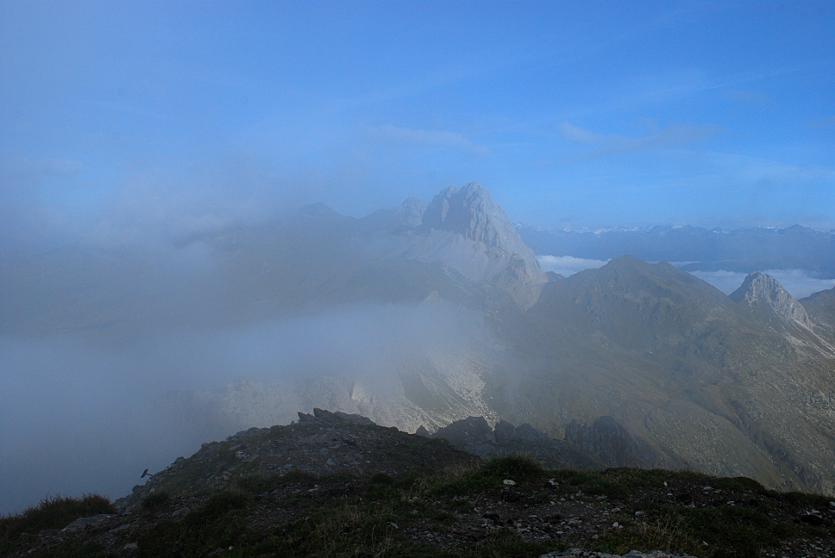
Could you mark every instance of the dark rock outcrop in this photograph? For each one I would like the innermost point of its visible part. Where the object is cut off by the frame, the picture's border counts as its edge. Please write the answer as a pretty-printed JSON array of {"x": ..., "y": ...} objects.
[
  {"x": 609, "y": 443},
  {"x": 475, "y": 436},
  {"x": 323, "y": 443}
]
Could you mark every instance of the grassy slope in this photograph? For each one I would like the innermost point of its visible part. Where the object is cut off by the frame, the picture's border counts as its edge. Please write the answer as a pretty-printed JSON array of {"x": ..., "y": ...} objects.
[{"x": 472, "y": 512}]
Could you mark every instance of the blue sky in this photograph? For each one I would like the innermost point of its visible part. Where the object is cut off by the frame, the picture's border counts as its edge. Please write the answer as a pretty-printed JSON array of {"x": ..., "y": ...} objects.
[{"x": 573, "y": 114}]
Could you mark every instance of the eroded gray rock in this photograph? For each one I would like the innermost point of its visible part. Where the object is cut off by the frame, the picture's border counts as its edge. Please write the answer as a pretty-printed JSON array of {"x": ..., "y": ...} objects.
[{"x": 85, "y": 522}]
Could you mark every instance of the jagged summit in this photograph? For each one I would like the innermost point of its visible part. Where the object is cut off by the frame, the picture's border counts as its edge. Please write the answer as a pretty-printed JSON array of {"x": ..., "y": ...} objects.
[
  {"x": 762, "y": 291},
  {"x": 471, "y": 212},
  {"x": 411, "y": 212},
  {"x": 475, "y": 435},
  {"x": 465, "y": 229}
]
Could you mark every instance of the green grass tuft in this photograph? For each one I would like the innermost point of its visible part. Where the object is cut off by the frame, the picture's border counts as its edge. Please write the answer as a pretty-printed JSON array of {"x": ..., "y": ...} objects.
[
  {"x": 590, "y": 482},
  {"x": 516, "y": 467},
  {"x": 219, "y": 523},
  {"x": 490, "y": 475}
]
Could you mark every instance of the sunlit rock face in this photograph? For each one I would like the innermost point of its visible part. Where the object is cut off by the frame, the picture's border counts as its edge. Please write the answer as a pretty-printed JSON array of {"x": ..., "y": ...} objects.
[
  {"x": 471, "y": 212},
  {"x": 484, "y": 245}
]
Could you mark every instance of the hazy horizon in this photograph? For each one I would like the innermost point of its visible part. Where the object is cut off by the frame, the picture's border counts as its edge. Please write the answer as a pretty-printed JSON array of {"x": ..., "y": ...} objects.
[{"x": 715, "y": 114}]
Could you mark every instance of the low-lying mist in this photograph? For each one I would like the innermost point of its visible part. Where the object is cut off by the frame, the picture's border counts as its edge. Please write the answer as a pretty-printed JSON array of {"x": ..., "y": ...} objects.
[
  {"x": 89, "y": 411},
  {"x": 122, "y": 350}
]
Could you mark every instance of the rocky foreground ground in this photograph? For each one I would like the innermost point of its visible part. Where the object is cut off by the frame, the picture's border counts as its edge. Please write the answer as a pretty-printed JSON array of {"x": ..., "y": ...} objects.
[{"x": 339, "y": 485}]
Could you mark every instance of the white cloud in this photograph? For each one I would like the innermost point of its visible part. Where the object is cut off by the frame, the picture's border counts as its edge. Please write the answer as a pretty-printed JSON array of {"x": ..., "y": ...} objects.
[
  {"x": 660, "y": 138},
  {"x": 438, "y": 138},
  {"x": 580, "y": 135},
  {"x": 826, "y": 122},
  {"x": 758, "y": 169}
]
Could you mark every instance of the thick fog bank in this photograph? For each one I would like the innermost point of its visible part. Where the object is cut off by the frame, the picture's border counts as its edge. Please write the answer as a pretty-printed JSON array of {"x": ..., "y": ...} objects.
[{"x": 88, "y": 412}]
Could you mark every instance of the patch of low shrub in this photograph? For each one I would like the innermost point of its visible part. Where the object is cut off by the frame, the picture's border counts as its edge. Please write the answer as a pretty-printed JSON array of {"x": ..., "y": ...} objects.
[
  {"x": 51, "y": 513},
  {"x": 516, "y": 467},
  {"x": 260, "y": 484},
  {"x": 590, "y": 482},
  {"x": 156, "y": 501}
]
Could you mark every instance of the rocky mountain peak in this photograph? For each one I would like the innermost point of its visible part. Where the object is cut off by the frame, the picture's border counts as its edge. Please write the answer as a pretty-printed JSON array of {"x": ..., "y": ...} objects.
[
  {"x": 411, "y": 212},
  {"x": 471, "y": 212},
  {"x": 492, "y": 248},
  {"x": 760, "y": 290}
]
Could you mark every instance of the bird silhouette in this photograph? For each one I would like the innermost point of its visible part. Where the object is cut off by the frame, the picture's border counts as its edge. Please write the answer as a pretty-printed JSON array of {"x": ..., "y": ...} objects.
[{"x": 145, "y": 473}]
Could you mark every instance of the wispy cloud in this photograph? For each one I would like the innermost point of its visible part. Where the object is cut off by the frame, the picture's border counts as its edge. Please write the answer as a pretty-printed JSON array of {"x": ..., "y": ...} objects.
[
  {"x": 749, "y": 97},
  {"x": 129, "y": 109},
  {"x": 826, "y": 122},
  {"x": 748, "y": 170},
  {"x": 428, "y": 137},
  {"x": 655, "y": 89},
  {"x": 703, "y": 81},
  {"x": 613, "y": 144},
  {"x": 36, "y": 168},
  {"x": 579, "y": 135}
]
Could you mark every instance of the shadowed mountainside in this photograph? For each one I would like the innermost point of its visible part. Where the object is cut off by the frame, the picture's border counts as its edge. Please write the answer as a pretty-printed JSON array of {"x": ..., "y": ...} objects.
[{"x": 703, "y": 379}]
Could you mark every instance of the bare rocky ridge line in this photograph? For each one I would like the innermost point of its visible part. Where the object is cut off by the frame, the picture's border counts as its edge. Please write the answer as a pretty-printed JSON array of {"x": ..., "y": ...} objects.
[{"x": 322, "y": 443}]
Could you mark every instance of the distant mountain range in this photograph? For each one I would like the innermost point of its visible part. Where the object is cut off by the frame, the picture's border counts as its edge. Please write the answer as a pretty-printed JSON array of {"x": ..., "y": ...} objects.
[{"x": 697, "y": 248}]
